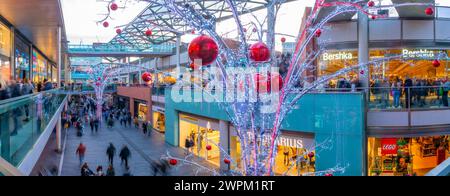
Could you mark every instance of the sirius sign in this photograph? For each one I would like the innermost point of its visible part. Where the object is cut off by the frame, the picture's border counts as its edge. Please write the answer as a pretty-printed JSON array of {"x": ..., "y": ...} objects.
[{"x": 337, "y": 56}]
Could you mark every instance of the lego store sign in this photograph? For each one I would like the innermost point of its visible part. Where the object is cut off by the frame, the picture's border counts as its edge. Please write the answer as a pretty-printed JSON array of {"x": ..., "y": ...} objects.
[{"x": 389, "y": 146}]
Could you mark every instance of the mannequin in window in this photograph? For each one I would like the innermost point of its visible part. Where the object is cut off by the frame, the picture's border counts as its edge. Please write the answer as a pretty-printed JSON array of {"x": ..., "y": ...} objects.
[{"x": 286, "y": 155}]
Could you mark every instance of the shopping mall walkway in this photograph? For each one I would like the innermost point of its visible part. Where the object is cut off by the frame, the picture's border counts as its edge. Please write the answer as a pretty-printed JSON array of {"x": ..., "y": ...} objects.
[{"x": 143, "y": 150}]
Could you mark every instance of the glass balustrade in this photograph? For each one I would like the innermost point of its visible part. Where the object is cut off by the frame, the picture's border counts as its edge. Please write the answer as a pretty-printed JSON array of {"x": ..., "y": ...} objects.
[{"x": 23, "y": 120}]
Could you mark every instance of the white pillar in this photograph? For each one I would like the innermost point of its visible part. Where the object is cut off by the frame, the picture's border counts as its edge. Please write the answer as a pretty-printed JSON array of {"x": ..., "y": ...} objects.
[
  {"x": 224, "y": 143},
  {"x": 58, "y": 77},
  {"x": 363, "y": 47},
  {"x": 58, "y": 135}
]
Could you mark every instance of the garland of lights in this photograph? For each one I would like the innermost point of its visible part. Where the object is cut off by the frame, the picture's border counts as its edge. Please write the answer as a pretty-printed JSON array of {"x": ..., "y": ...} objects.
[{"x": 251, "y": 124}]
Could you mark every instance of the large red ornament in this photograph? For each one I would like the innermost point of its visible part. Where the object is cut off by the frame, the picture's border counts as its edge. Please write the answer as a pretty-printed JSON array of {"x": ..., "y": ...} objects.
[
  {"x": 318, "y": 33},
  {"x": 328, "y": 174},
  {"x": 148, "y": 32},
  {"x": 436, "y": 63},
  {"x": 173, "y": 161},
  {"x": 370, "y": 3},
  {"x": 106, "y": 24},
  {"x": 373, "y": 17},
  {"x": 259, "y": 52},
  {"x": 429, "y": 11},
  {"x": 118, "y": 31},
  {"x": 114, "y": 6},
  {"x": 264, "y": 84},
  {"x": 203, "y": 48},
  {"x": 146, "y": 77},
  {"x": 283, "y": 40},
  {"x": 208, "y": 147}
]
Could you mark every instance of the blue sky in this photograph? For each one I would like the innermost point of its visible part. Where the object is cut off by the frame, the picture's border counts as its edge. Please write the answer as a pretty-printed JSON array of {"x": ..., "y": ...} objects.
[{"x": 81, "y": 18}]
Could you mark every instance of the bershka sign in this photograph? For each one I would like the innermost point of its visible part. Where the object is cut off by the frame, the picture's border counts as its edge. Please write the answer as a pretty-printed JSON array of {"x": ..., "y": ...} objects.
[
  {"x": 417, "y": 53},
  {"x": 337, "y": 56},
  {"x": 389, "y": 146}
]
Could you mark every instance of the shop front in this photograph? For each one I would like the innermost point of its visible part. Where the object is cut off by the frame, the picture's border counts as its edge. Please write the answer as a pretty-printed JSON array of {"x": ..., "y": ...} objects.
[
  {"x": 406, "y": 155},
  {"x": 198, "y": 133},
  {"x": 416, "y": 63},
  {"x": 39, "y": 67},
  {"x": 5, "y": 53},
  {"x": 159, "y": 119},
  {"x": 22, "y": 59},
  {"x": 142, "y": 109}
]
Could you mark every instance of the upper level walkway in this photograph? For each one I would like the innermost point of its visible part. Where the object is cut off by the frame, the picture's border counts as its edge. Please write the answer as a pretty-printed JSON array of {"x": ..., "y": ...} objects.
[{"x": 108, "y": 50}]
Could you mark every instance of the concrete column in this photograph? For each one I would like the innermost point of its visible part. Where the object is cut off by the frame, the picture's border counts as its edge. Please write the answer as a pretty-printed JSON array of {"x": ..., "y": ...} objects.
[
  {"x": 363, "y": 47},
  {"x": 224, "y": 143},
  {"x": 132, "y": 106},
  {"x": 178, "y": 69},
  {"x": 58, "y": 135},
  {"x": 270, "y": 34},
  {"x": 58, "y": 77}
]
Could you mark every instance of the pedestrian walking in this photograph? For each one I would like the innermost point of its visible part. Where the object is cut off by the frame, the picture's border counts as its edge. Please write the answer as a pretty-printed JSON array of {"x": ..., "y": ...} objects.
[
  {"x": 125, "y": 155},
  {"x": 144, "y": 127},
  {"x": 111, "y": 151},
  {"x": 91, "y": 124},
  {"x": 110, "y": 171},
  {"x": 96, "y": 124},
  {"x": 85, "y": 171},
  {"x": 81, "y": 151}
]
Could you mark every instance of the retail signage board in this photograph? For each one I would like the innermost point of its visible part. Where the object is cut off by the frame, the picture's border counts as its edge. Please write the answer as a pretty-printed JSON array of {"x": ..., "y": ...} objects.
[{"x": 389, "y": 146}]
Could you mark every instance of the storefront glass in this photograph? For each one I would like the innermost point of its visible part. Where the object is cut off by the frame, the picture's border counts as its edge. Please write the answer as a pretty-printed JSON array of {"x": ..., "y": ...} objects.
[
  {"x": 142, "y": 111},
  {"x": 201, "y": 132},
  {"x": 39, "y": 67},
  {"x": 159, "y": 120},
  {"x": 54, "y": 74},
  {"x": 406, "y": 156},
  {"x": 22, "y": 59},
  {"x": 5, "y": 53}
]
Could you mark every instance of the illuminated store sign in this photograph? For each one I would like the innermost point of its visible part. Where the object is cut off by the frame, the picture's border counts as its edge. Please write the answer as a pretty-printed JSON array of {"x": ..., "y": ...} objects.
[
  {"x": 418, "y": 53},
  {"x": 337, "y": 56}
]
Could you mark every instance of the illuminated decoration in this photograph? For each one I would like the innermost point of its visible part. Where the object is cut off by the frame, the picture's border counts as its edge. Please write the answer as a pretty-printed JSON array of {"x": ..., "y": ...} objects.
[
  {"x": 328, "y": 174},
  {"x": 252, "y": 119},
  {"x": 227, "y": 161},
  {"x": 173, "y": 162},
  {"x": 370, "y": 3},
  {"x": 420, "y": 53},
  {"x": 118, "y": 31},
  {"x": 259, "y": 52},
  {"x": 203, "y": 48},
  {"x": 373, "y": 17},
  {"x": 148, "y": 32},
  {"x": 114, "y": 6},
  {"x": 208, "y": 147},
  {"x": 283, "y": 39}
]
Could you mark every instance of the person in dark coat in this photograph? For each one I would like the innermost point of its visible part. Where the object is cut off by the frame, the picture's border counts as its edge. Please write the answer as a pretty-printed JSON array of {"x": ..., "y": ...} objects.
[
  {"x": 125, "y": 155},
  {"x": 111, "y": 151},
  {"x": 408, "y": 84}
]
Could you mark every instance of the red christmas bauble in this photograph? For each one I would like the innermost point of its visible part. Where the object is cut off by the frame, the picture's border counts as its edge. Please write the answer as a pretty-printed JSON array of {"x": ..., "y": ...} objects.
[
  {"x": 264, "y": 85},
  {"x": 370, "y": 3},
  {"x": 148, "y": 32},
  {"x": 173, "y": 162},
  {"x": 99, "y": 78},
  {"x": 203, "y": 48},
  {"x": 114, "y": 6},
  {"x": 208, "y": 147},
  {"x": 318, "y": 33},
  {"x": 259, "y": 52},
  {"x": 328, "y": 174},
  {"x": 373, "y": 17},
  {"x": 98, "y": 84},
  {"x": 283, "y": 40},
  {"x": 245, "y": 30},
  {"x": 362, "y": 72},
  {"x": 436, "y": 63},
  {"x": 227, "y": 161},
  {"x": 429, "y": 11},
  {"x": 106, "y": 24},
  {"x": 146, "y": 77},
  {"x": 311, "y": 154},
  {"x": 193, "y": 31},
  {"x": 254, "y": 30},
  {"x": 118, "y": 31}
]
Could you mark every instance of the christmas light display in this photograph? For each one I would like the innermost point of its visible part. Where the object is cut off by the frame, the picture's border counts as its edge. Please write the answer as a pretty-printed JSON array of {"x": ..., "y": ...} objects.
[{"x": 253, "y": 124}]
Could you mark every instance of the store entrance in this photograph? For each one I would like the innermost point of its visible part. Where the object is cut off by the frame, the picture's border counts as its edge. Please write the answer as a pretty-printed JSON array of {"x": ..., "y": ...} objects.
[{"x": 194, "y": 130}]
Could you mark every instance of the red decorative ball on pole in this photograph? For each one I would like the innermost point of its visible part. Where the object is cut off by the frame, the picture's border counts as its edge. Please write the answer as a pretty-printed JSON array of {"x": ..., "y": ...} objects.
[
  {"x": 283, "y": 39},
  {"x": 429, "y": 11},
  {"x": 370, "y": 3},
  {"x": 146, "y": 77},
  {"x": 373, "y": 17},
  {"x": 148, "y": 32},
  {"x": 318, "y": 33},
  {"x": 245, "y": 30},
  {"x": 114, "y": 6},
  {"x": 173, "y": 162},
  {"x": 208, "y": 147},
  {"x": 311, "y": 154},
  {"x": 436, "y": 63},
  {"x": 106, "y": 24},
  {"x": 259, "y": 52},
  {"x": 119, "y": 31},
  {"x": 203, "y": 48}
]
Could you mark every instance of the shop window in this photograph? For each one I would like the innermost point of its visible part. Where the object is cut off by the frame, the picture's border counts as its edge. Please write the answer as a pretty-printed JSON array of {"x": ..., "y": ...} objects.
[
  {"x": 159, "y": 121},
  {"x": 406, "y": 156}
]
